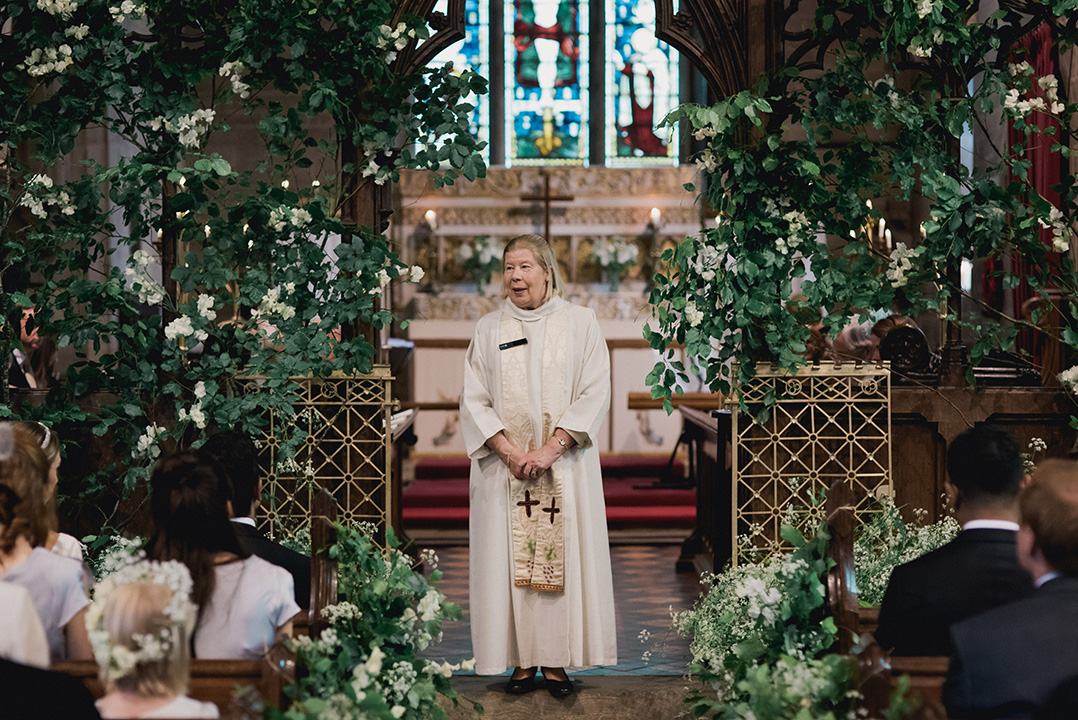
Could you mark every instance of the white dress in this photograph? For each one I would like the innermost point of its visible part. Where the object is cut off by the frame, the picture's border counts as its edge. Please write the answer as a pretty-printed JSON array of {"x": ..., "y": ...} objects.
[
  {"x": 251, "y": 599},
  {"x": 56, "y": 586},
  {"x": 67, "y": 546},
  {"x": 22, "y": 638},
  {"x": 519, "y": 626},
  {"x": 180, "y": 707}
]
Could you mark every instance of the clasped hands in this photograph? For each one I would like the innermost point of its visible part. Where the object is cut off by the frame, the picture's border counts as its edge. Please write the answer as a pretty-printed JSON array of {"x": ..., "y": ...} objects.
[{"x": 531, "y": 465}]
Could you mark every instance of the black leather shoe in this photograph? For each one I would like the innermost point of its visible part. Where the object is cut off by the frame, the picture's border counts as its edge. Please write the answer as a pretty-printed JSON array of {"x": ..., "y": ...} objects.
[
  {"x": 560, "y": 688},
  {"x": 520, "y": 686}
]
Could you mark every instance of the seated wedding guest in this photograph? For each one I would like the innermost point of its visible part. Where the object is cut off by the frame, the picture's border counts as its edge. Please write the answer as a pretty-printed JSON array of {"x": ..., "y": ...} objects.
[
  {"x": 57, "y": 542},
  {"x": 22, "y": 638},
  {"x": 237, "y": 454},
  {"x": 30, "y": 692},
  {"x": 54, "y": 583},
  {"x": 141, "y": 621},
  {"x": 976, "y": 571},
  {"x": 1010, "y": 660},
  {"x": 245, "y": 603}
]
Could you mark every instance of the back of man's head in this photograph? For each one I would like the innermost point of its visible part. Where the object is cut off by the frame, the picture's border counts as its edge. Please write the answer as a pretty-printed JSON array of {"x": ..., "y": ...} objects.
[
  {"x": 1049, "y": 506},
  {"x": 985, "y": 466},
  {"x": 237, "y": 454}
]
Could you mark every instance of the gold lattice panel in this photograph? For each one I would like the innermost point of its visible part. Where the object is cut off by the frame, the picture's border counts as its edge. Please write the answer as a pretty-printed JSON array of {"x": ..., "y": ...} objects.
[
  {"x": 828, "y": 424},
  {"x": 346, "y": 449}
]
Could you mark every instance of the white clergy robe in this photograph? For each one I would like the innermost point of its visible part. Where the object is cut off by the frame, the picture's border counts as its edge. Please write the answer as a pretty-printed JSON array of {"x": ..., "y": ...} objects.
[{"x": 520, "y": 626}]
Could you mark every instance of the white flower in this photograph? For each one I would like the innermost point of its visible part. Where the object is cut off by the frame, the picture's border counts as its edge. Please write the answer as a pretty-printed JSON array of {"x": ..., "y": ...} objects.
[
  {"x": 430, "y": 605},
  {"x": 200, "y": 389},
  {"x": 1022, "y": 68},
  {"x": 383, "y": 280},
  {"x": 63, "y": 8},
  {"x": 205, "y": 307},
  {"x": 397, "y": 711},
  {"x": 273, "y": 305},
  {"x": 708, "y": 259},
  {"x": 182, "y": 327},
  {"x": 467, "y": 665},
  {"x": 919, "y": 51},
  {"x": 300, "y": 217},
  {"x": 924, "y": 8},
  {"x": 373, "y": 665},
  {"x": 707, "y": 161},
  {"x": 415, "y": 274},
  {"x": 693, "y": 315},
  {"x": 705, "y": 133},
  {"x": 235, "y": 71},
  {"x": 1069, "y": 378},
  {"x": 901, "y": 263},
  {"x": 146, "y": 445},
  {"x": 77, "y": 31}
]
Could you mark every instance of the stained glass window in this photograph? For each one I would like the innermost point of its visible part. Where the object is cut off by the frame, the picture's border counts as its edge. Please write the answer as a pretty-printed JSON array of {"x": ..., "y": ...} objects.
[
  {"x": 472, "y": 52},
  {"x": 642, "y": 86},
  {"x": 546, "y": 82}
]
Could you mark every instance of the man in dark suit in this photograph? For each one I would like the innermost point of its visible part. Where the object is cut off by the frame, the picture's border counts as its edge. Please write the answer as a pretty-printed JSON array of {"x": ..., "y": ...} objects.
[
  {"x": 237, "y": 454},
  {"x": 975, "y": 572},
  {"x": 1008, "y": 661}
]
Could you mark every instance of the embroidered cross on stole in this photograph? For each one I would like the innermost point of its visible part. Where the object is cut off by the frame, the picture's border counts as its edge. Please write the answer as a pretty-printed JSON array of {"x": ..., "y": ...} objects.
[{"x": 538, "y": 536}]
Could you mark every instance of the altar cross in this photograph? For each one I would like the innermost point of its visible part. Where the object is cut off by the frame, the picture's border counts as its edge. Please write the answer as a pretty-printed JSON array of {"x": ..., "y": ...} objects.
[
  {"x": 546, "y": 198},
  {"x": 527, "y": 502},
  {"x": 553, "y": 509}
]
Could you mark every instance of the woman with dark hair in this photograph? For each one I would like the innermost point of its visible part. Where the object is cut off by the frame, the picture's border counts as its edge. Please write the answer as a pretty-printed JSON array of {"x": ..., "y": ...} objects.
[
  {"x": 245, "y": 603},
  {"x": 54, "y": 583}
]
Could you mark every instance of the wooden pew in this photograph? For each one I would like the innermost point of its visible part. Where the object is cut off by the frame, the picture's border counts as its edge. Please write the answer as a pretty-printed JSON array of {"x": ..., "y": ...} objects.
[
  {"x": 879, "y": 672},
  {"x": 211, "y": 680}
]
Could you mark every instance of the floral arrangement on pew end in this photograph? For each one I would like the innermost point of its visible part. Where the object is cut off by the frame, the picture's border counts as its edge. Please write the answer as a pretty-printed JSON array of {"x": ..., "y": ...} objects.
[
  {"x": 886, "y": 541},
  {"x": 614, "y": 254},
  {"x": 760, "y": 640},
  {"x": 366, "y": 664},
  {"x": 481, "y": 258}
]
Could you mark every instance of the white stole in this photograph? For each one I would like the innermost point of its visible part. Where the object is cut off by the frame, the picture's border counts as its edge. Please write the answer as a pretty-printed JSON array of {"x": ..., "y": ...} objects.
[{"x": 535, "y": 505}]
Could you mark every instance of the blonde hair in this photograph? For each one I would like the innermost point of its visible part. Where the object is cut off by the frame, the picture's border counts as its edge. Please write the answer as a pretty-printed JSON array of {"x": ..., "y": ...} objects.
[
  {"x": 544, "y": 255},
  {"x": 136, "y": 609}
]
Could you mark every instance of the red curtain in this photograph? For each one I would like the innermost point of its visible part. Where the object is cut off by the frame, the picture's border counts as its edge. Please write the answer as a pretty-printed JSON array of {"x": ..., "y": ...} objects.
[{"x": 1045, "y": 171}]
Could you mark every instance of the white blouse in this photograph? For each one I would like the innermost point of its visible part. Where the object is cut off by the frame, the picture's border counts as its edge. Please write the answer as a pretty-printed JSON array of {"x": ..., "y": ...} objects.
[
  {"x": 22, "y": 638},
  {"x": 251, "y": 599},
  {"x": 56, "y": 586},
  {"x": 180, "y": 707},
  {"x": 67, "y": 546}
]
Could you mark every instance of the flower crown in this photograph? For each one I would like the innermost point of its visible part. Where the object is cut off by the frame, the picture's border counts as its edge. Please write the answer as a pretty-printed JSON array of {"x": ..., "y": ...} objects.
[{"x": 150, "y": 647}]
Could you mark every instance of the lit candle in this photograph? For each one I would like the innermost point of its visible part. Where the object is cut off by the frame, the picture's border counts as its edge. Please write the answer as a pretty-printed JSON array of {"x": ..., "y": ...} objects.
[
  {"x": 159, "y": 234},
  {"x": 868, "y": 204},
  {"x": 924, "y": 233},
  {"x": 883, "y": 228},
  {"x": 207, "y": 229},
  {"x": 284, "y": 184},
  {"x": 656, "y": 216},
  {"x": 431, "y": 218},
  {"x": 887, "y": 236},
  {"x": 316, "y": 184}
]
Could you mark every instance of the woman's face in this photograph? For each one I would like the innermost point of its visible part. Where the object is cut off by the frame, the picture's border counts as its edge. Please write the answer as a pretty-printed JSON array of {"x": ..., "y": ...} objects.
[
  {"x": 525, "y": 279},
  {"x": 54, "y": 478}
]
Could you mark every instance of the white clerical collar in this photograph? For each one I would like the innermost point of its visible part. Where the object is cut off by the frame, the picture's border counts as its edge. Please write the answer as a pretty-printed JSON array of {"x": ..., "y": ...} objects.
[
  {"x": 554, "y": 303},
  {"x": 244, "y": 521},
  {"x": 985, "y": 524},
  {"x": 1046, "y": 577}
]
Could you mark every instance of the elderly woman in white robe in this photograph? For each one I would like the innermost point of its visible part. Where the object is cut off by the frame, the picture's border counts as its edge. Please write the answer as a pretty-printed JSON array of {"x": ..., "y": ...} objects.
[{"x": 536, "y": 390}]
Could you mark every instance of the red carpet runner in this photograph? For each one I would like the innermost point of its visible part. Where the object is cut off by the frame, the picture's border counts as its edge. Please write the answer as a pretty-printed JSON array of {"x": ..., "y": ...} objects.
[{"x": 439, "y": 495}]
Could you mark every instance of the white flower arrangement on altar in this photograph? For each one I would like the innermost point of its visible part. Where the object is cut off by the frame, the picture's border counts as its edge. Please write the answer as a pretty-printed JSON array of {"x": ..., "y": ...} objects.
[
  {"x": 614, "y": 254},
  {"x": 121, "y": 660},
  {"x": 481, "y": 258}
]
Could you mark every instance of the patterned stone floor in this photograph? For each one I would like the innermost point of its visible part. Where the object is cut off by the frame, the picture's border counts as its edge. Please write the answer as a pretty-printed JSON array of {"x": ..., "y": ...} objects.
[{"x": 645, "y": 588}]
